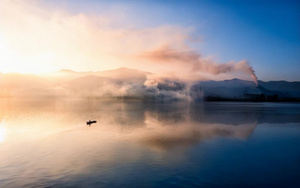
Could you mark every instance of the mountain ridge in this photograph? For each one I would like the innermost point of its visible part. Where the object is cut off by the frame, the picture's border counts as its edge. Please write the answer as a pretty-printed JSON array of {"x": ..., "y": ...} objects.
[{"x": 133, "y": 83}]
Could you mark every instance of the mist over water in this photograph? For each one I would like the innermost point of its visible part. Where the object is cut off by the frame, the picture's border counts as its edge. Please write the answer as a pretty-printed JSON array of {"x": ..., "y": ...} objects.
[{"x": 46, "y": 143}]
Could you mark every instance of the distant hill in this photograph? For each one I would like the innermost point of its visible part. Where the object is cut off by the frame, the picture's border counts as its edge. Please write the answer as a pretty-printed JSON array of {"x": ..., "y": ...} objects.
[
  {"x": 292, "y": 89},
  {"x": 127, "y": 83},
  {"x": 236, "y": 89}
]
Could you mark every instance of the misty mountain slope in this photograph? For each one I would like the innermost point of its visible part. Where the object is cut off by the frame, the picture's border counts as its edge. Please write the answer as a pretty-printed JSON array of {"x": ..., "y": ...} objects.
[
  {"x": 124, "y": 74},
  {"x": 224, "y": 92},
  {"x": 275, "y": 85},
  {"x": 231, "y": 89},
  {"x": 132, "y": 83},
  {"x": 278, "y": 93},
  {"x": 97, "y": 86},
  {"x": 236, "y": 88},
  {"x": 120, "y": 74},
  {"x": 125, "y": 82},
  {"x": 228, "y": 83},
  {"x": 291, "y": 89}
]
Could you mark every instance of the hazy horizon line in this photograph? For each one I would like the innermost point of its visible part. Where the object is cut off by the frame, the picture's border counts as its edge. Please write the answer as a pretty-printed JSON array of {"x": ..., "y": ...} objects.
[{"x": 128, "y": 68}]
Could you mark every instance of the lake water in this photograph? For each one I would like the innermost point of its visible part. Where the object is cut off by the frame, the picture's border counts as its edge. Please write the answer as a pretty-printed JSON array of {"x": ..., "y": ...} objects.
[{"x": 46, "y": 143}]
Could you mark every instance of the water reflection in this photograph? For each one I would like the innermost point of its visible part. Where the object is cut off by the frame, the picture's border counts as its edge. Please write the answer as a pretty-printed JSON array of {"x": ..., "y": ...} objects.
[
  {"x": 166, "y": 131},
  {"x": 47, "y": 143},
  {"x": 34, "y": 118}
]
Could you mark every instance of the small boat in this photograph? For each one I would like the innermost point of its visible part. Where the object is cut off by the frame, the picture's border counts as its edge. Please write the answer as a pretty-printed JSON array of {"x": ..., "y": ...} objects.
[{"x": 90, "y": 122}]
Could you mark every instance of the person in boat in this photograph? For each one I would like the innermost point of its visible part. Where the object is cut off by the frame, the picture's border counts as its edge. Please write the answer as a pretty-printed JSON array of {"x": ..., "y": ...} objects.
[{"x": 90, "y": 122}]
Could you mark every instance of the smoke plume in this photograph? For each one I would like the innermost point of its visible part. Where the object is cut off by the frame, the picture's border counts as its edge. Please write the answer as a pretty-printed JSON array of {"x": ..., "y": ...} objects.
[{"x": 197, "y": 64}]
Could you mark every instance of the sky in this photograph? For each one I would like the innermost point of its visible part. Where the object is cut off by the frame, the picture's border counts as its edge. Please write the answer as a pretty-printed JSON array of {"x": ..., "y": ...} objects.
[{"x": 188, "y": 39}]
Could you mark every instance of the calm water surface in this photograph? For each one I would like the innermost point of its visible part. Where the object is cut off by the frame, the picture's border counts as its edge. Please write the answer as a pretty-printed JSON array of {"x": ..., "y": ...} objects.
[{"x": 46, "y": 143}]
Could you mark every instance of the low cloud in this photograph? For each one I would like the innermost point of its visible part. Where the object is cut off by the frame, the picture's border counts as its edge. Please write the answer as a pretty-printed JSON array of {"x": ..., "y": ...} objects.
[{"x": 120, "y": 83}]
